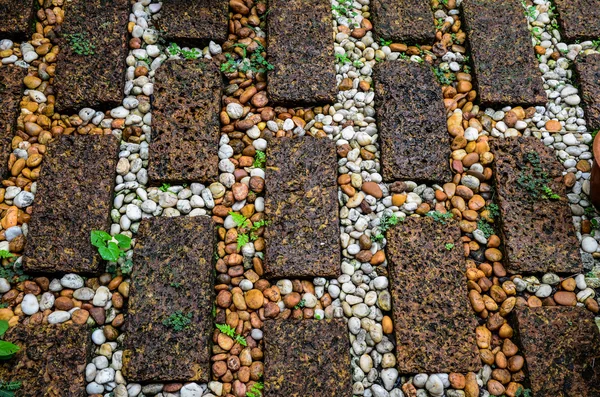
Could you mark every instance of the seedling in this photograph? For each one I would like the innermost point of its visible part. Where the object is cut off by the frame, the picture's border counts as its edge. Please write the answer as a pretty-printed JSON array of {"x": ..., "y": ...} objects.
[
  {"x": 342, "y": 58},
  {"x": 344, "y": 9},
  {"x": 439, "y": 216},
  {"x": 165, "y": 187},
  {"x": 7, "y": 389},
  {"x": 445, "y": 78},
  {"x": 259, "y": 159},
  {"x": 384, "y": 42},
  {"x": 485, "y": 228},
  {"x": 111, "y": 248},
  {"x": 178, "y": 321},
  {"x": 255, "y": 391},
  {"x": 229, "y": 331},
  {"x": 80, "y": 44},
  {"x": 7, "y": 349},
  {"x": 387, "y": 221},
  {"x": 449, "y": 246},
  {"x": 174, "y": 50},
  {"x": 5, "y": 254},
  {"x": 300, "y": 304},
  {"x": 242, "y": 222},
  {"x": 535, "y": 181}
]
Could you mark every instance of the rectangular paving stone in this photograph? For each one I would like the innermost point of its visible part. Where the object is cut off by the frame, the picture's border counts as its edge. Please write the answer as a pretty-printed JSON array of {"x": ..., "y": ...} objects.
[
  {"x": 301, "y": 206},
  {"x": 11, "y": 82},
  {"x": 434, "y": 323},
  {"x": 74, "y": 196},
  {"x": 537, "y": 232},
  {"x": 90, "y": 70},
  {"x": 578, "y": 19},
  {"x": 185, "y": 118},
  {"x": 587, "y": 68},
  {"x": 405, "y": 21},
  {"x": 305, "y": 77},
  {"x": 16, "y": 17},
  {"x": 307, "y": 358},
  {"x": 504, "y": 65},
  {"x": 412, "y": 123},
  {"x": 51, "y": 361},
  {"x": 189, "y": 22},
  {"x": 172, "y": 277},
  {"x": 561, "y": 346}
]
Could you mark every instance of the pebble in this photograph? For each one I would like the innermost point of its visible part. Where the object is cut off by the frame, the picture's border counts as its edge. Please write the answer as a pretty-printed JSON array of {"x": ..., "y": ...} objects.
[
  {"x": 30, "y": 304},
  {"x": 72, "y": 281}
]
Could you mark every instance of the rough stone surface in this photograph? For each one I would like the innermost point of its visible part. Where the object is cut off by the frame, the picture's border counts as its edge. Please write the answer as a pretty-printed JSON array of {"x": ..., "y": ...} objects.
[
  {"x": 96, "y": 80},
  {"x": 194, "y": 21},
  {"x": 412, "y": 123},
  {"x": 538, "y": 233},
  {"x": 74, "y": 197},
  {"x": 434, "y": 323},
  {"x": 301, "y": 77},
  {"x": 51, "y": 361},
  {"x": 578, "y": 19},
  {"x": 16, "y": 16},
  {"x": 11, "y": 82},
  {"x": 186, "y": 129},
  {"x": 301, "y": 206},
  {"x": 561, "y": 346},
  {"x": 405, "y": 21},
  {"x": 504, "y": 64},
  {"x": 307, "y": 358},
  {"x": 588, "y": 70},
  {"x": 173, "y": 272}
]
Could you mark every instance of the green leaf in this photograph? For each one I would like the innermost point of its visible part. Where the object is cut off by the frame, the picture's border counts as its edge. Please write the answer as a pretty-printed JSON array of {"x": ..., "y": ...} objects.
[
  {"x": 7, "y": 350},
  {"x": 239, "y": 219},
  {"x": 110, "y": 253},
  {"x": 3, "y": 327},
  {"x": 242, "y": 240},
  {"x": 5, "y": 254},
  {"x": 99, "y": 238},
  {"x": 124, "y": 241}
]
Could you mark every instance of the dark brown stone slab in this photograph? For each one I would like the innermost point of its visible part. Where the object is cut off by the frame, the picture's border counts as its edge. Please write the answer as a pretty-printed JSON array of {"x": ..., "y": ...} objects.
[
  {"x": 16, "y": 17},
  {"x": 51, "y": 361},
  {"x": 11, "y": 82},
  {"x": 561, "y": 346},
  {"x": 186, "y": 129},
  {"x": 74, "y": 196},
  {"x": 504, "y": 65},
  {"x": 305, "y": 77},
  {"x": 405, "y": 21},
  {"x": 90, "y": 70},
  {"x": 587, "y": 68},
  {"x": 412, "y": 123},
  {"x": 434, "y": 323},
  {"x": 537, "y": 232},
  {"x": 301, "y": 206},
  {"x": 194, "y": 21},
  {"x": 307, "y": 358},
  {"x": 173, "y": 273},
  {"x": 579, "y": 19}
]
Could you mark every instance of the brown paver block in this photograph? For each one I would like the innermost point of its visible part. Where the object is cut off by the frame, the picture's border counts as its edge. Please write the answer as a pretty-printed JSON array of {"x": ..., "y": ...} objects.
[
  {"x": 405, "y": 21},
  {"x": 537, "y": 232},
  {"x": 561, "y": 346},
  {"x": 186, "y": 129},
  {"x": 173, "y": 273},
  {"x": 16, "y": 17},
  {"x": 578, "y": 19},
  {"x": 95, "y": 80},
  {"x": 51, "y": 361},
  {"x": 11, "y": 84},
  {"x": 434, "y": 323},
  {"x": 412, "y": 123},
  {"x": 301, "y": 206},
  {"x": 194, "y": 21},
  {"x": 74, "y": 196},
  {"x": 587, "y": 68},
  {"x": 505, "y": 69},
  {"x": 307, "y": 358},
  {"x": 301, "y": 77}
]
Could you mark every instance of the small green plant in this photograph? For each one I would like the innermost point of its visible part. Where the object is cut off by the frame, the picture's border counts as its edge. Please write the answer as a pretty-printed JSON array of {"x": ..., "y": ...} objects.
[
  {"x": 176, "y": 284},
  {"x": 300, "y": 304},
  {"x": 242, "y": 222},
  {"x": 318, "y": 316},
  {"x": 7, "y": 349},
  {"x": 529, "y": 10},
  {"x": 255, "y": 390},
  {"x": 8, "y": 389},
  {"x": 466, "y": 69},
  {"x": 449, "y": 246},
  {"x": 230, "y": 65},
  {"x": 596, "y": 43},
  {"x": 387, "y": 221},
  {"x": 358, "y": 64},
  {"x": 164, "y": 187},
  {"x": 485, "y": 227},
  {"x": 440, "y": 217},
  {"x": 493, "y": 210},
  {"x": 4, "y": 254},
  {"x": 534, "y": 180},
  {"x": 344, "y": 9},
  {"x": 549, "y": 194},
  {"x": 174, "y": 50},
  {"x": 384, "y": 42},
  {"x": 523, "y": 392},
  {"x": 13, "y": 271},
  {"x": 342, "y": 58},
  {"x": 445, "y": 78},
  {"x": 594, "y": 133},
  {"x": 178, "y": 321},
  {"x": 404, "y": 57},
  {"x": 229, "y": 331},
  {"x": 111, "y": 248},
  {"x": 80, "y": 44},
  {"x": 260, "y": 159}
]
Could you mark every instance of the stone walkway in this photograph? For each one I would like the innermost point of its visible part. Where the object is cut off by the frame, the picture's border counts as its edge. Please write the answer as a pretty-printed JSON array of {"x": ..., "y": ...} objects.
[{"x": 262, "y": 276}]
